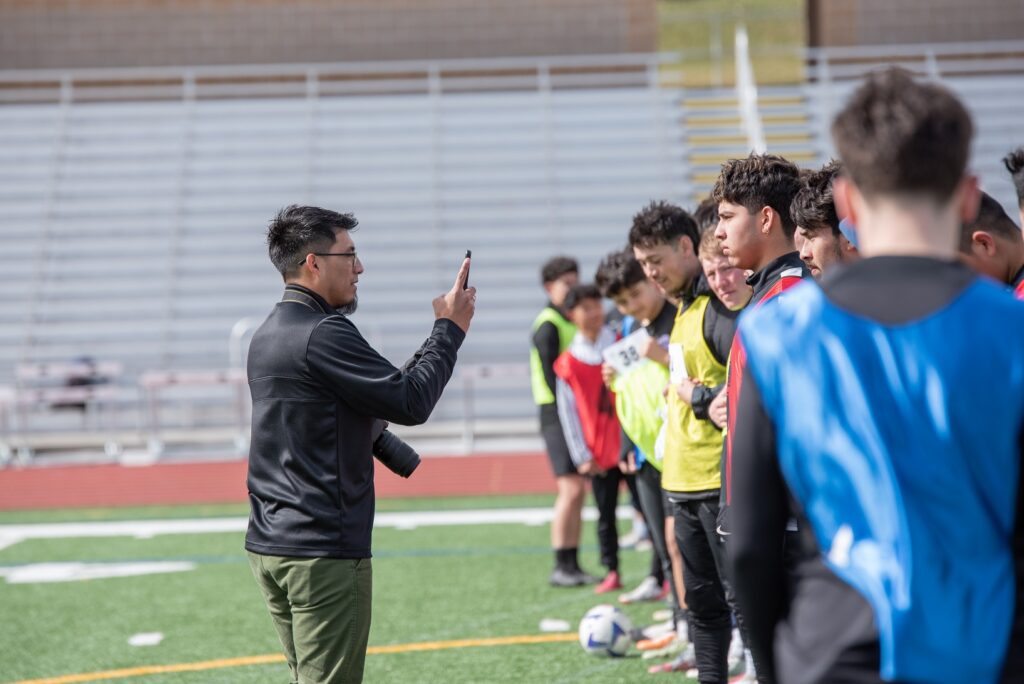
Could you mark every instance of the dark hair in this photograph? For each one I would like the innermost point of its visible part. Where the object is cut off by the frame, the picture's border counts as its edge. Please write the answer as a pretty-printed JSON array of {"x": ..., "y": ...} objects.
[
  {"x": 296, "y": 231},
  {"x": 710, "y": 246},
  {"x": 556, "y": 267},
  {"x": 897, "y": 135},
  {"x": 1015, "y": 165},
  {"x": 813, "y": 208},
  {"x": 618, "y": 271},
  {"x": 662, "y": 223},
  {"x": 578, "y": 293},
  {"x": 760, "y": 180},
  {"x": 706, "y": 214},
  {"x": 992, "y": 218}
]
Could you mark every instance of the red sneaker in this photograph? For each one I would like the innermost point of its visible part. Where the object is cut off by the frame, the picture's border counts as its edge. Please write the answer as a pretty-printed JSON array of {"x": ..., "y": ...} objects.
[{"x": 610, "y": 582}]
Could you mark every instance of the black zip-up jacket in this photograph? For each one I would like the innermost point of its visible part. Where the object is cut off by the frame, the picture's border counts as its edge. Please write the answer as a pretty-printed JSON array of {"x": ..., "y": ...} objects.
[
  {"x": 779, "y": 274},
  {"x": 319, "y": 392}
]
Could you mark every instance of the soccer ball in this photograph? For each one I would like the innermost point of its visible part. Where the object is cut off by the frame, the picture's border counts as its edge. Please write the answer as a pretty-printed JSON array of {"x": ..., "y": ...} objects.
[{"x": 604, "y": 631}]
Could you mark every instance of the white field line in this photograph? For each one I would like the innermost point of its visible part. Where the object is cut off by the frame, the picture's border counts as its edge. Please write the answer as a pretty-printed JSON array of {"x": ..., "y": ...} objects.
[
  {"x": 146, "y": 529},
  {"x": 36, "y": 573}
]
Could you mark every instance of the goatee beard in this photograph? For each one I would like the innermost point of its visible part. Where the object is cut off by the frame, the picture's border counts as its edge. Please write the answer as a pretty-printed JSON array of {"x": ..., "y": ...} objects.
[{"x": 350, "y": 308}]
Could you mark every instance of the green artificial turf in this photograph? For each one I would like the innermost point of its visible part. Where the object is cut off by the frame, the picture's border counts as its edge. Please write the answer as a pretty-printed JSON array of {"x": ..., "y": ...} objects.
[
  {"x": 430, "y": 584},
  {"x": 242, "y": 509}
]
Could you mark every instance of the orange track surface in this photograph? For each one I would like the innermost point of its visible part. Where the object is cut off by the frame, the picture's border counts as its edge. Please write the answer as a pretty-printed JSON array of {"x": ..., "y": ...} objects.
[{"x": 224, "y": 482}]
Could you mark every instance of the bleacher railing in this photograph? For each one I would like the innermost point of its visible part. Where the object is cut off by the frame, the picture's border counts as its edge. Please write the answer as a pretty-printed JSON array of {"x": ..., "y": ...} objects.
[
  {"x": 160, "y": 411},
  {"x": 447, "y": 76},
  {"x": 932, "y": 60},
  {"x": 824, "y": 67},
  {"x": 343, "y": 78}
]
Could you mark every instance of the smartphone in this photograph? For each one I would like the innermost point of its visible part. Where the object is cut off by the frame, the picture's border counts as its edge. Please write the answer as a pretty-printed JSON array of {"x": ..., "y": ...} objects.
[{"x": 469, "y": 255}]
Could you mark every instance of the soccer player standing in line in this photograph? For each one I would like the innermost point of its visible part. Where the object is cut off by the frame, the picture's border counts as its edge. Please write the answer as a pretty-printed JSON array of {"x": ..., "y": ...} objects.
[
  {"x": 814, "y": 213},
  {"x": 993, "y": 245},
  {"x": 756, "y": 230},
  {"x": 586, "y": 409},
  {"x": 665, "y": 241},
  {"x": 638, "y": 397},
  {"x": 853, "y": 419},
  {"x": 552, "y": 334}
]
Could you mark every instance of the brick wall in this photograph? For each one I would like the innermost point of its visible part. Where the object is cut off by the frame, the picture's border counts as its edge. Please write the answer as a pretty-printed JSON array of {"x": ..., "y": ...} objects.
[
  {"x": 106, "y": 33},
  {"x": 885, "y": 22}
]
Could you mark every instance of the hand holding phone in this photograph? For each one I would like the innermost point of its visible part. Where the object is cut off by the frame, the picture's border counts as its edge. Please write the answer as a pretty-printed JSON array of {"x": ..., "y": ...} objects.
[{"x": 459, "y": 303}]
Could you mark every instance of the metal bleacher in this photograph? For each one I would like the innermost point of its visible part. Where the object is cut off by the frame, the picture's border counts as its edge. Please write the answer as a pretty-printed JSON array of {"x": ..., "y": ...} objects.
[
  {"x": 133, "y": 216},
  {"x": 795, "y": 118},
  {"x": 133, "y": 203},
  {"x": 988, "y": 77}
]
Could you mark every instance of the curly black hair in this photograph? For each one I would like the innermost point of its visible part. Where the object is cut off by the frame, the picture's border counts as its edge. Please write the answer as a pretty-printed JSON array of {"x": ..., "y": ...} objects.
[
  {"x": 760, "y": 180},
  {"x": 813, "y": 208},
  {"x": 617, "y": 272},
  {"x": 662, "y": 223}
]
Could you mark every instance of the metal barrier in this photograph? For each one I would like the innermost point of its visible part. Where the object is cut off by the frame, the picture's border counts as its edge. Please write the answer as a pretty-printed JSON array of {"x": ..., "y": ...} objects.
[
  {"x": 344, "y": 78},
  {"x": 933, "y": 60},
  {"x": 160, "y": 411}
]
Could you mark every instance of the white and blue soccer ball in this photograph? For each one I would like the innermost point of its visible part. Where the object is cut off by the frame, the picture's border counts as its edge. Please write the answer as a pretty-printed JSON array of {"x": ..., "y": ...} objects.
[{"x": 604, "y": 631}]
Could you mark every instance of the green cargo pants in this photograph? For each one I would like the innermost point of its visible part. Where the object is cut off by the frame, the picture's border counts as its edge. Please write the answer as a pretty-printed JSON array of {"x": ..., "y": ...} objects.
[{"x": 321, "y": 610}]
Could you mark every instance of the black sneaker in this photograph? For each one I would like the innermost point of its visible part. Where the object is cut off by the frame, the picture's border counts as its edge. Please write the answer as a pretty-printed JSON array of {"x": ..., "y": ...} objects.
[{"x": 566, "y": 578}]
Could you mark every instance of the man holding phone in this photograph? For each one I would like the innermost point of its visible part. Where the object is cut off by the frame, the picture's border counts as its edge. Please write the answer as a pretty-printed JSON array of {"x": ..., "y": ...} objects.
[{"x": 320, "y": 397}]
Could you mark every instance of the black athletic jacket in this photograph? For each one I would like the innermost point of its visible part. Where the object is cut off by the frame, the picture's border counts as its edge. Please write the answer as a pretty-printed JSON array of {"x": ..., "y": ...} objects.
[
  {"x": 775, "y": 278},
  {"x": 318, "y": 389}
]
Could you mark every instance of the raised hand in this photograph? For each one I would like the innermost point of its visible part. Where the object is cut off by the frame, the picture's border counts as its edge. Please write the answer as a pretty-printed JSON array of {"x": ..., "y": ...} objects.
[{"x": 457, "y": 304}]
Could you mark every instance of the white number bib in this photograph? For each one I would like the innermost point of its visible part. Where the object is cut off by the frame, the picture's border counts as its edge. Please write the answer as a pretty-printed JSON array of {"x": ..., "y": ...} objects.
[{"x": 625, "y": 354}]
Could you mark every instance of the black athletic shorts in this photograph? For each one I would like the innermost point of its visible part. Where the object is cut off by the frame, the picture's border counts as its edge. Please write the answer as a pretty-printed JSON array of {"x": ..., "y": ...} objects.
[{"x": 554, "y": 441}]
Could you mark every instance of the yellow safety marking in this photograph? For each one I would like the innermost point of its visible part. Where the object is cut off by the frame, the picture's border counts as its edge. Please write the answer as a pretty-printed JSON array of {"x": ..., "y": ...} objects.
[
  {"x": 157, "y": 669},
  {"x": 795, "y": 155},
  {"x": 779, "y": 101},
  {"x": 718, "y": 157},
  {"x": 709, "y": 122},
  {"x": 278, "y": 658},
  {"x": 718, "y": 139},
  {"x": 468, "y": 643},
  {"x": 782, "y": 119},
  {"x": 787, "y": 137},
  {"x": 710, "y": 104},
  {"x": 704, "y": 178}
]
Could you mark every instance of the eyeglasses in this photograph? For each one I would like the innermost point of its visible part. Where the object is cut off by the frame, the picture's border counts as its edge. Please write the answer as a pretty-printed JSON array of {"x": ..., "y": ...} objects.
[{"x": 344, "y": 254}]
